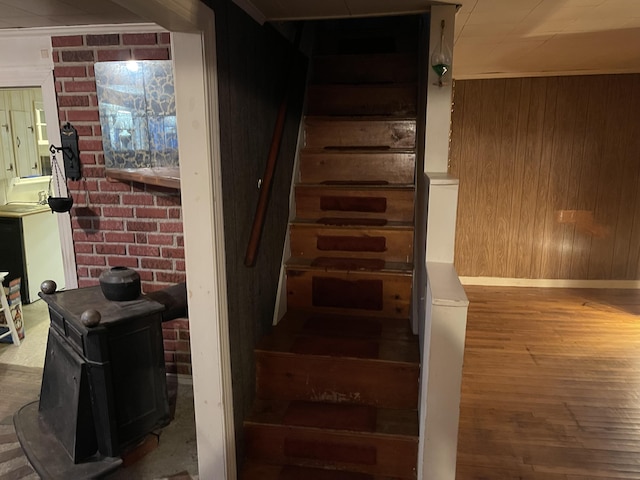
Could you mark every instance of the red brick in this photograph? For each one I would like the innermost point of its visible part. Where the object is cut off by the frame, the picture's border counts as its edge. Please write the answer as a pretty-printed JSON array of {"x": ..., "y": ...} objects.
[
  {"x": 169, "y": 345},
  {"x": 169, "y": 334},
  {"x": 110, "y": 249},
  {"x": 91, "y": 71},
  {"x": 123, "y": 262},
  {"x": 55, "y": 57},
  {"x": 89, "y": 145},
  {"x": 67, "y": 41},
  {"x": 62, "y": 116},
  {"x": 183, "y": 369},
  {"x": 160, "y": 53},
  {"x": 77, "y": 56},
  {"x": 143, "y": 251},
  {"x": 182, "y": 346},
  {"x": 91, "y": 170},
  {"x": 169, "y": 357},
  {"x": 161, "y": 239},
  {"x": 134, "y": 226},
  {"x": 137, "y": 199},
  {"x": 70, "y": 71},
  {"x": 83, "y": 247},
  {"x": 80, "y": 236},
  {"x": 174, "y": 227},
  {"x": 145, "y": 275},
  {"x": 171, "y": 368},
  {"x": 180, "y": 266},
  {"x": 151, "y": 213},
  {"x": 88, "y": 158},
  {"x": 90, "y": 260},
  {"x": 82, "y": 271},
  {"x": 114, "y": 186},
  {"x": 173, "y": 252},
  {"x": 126, "y": 212},
  {"x": 139, "y": 39},
  {"x": 175, "y": 213},
  {"x": 173, "y": 277},
  {"x": 83, "y": 283},
  {"x": 105, "y": 198},
  {"x": 103, "y": 40},
  {"x": 165, "y": 38},
  {"x": 74, "y": 101},
  {"x": 114, "y": 55},
  {"x": 97, "y": 129},
  {"x": 83, "y": 116},
  {"x": 96, "y": 272},
  {"x": 112, "y": 224},
  {"x": 80, "y": 86},
  {"x": 117, "y": 237},
  {"x": 83, "y": 130},
  {"x": 184, "y": 335},
  {"x": 93, "y": 99},
  {"x": 180, "y": 241},
  {"x": 168, "y": 200},
  {"x": 156, "y": 263},
  {"x": 141, "y": 238}
]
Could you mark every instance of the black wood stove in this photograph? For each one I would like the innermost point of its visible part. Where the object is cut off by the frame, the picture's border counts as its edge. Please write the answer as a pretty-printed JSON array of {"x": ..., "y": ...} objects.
[{"x": 103, "y": 386}]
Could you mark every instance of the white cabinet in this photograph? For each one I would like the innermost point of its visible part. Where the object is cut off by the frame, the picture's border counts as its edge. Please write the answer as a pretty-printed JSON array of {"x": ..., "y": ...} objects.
[{"x": 19, "y": 149}]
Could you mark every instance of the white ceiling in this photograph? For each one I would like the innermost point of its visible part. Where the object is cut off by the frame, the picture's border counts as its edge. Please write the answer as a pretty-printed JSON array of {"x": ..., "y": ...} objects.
[{"x": 493, "y": 37}]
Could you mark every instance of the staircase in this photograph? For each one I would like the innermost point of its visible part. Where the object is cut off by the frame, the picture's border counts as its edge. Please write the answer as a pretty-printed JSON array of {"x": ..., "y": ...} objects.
[{"x": 337, "y": 379}]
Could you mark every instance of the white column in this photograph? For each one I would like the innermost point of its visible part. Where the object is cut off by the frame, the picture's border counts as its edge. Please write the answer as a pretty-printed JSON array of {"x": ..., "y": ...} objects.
[{"x": 201, "y": 184}]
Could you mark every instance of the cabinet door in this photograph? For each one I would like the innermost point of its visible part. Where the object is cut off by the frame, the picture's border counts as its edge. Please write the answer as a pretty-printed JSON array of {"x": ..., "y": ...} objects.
[
  {"x": 24, "y": 143},
  {"x": 7, "y": 169}
]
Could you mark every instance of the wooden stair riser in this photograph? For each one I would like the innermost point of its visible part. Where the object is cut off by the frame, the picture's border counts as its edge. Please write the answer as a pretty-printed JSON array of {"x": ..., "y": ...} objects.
[
  {"x": 392, "y": 168},
  {"x": 316, "y": 202},
  {"x": 287, "y": 376},
  {"x": 362, "y": 100},
  {"x": 392, "y": 245},
  {"x": 353, "y": 293},
  {"x": 364, "y": 69},
  {"x": 382, "y": 455},
  {"x": 379, "y": 133}
]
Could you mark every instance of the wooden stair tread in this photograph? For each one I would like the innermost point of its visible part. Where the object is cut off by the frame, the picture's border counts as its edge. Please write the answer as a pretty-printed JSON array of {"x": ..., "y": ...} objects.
[
  {"x": 389, "y": 268},
  {"x": 305, "y": 333},
  {"x": 346, "y": 326},
  {"x": 388, "y": 225},
  {"x": 262, "y": 471},
  {"x": 336, "y": 416},
  {"x": 358, "y": 188},
  {"x": 361, "y": 118},
  {"x": 346, "y": 151}
]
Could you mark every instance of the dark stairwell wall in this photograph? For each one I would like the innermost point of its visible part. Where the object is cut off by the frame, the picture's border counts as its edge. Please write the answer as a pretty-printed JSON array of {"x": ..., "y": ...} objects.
[{"x": 252, "y": 62}]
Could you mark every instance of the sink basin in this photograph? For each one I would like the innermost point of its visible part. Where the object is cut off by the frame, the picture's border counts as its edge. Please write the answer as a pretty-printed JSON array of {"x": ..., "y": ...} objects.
[{"x": 21, "y": 207}]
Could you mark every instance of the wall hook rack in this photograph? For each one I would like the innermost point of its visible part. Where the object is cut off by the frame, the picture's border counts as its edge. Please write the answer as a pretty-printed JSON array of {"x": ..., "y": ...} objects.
[{"x": 70, "y": 152}]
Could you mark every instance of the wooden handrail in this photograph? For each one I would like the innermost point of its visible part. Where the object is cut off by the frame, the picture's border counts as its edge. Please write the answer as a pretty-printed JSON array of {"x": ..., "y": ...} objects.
[
  {"x": 267, "y": 178},
  {"x": 265, "y": 188}
]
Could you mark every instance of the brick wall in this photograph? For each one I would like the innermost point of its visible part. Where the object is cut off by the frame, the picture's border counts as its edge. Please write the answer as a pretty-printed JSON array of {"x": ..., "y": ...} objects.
[{"x": 114, "y": 222}]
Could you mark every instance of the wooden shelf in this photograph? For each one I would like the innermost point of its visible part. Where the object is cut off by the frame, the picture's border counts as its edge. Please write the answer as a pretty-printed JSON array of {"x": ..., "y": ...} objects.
[{"x": 163, "y": 176}]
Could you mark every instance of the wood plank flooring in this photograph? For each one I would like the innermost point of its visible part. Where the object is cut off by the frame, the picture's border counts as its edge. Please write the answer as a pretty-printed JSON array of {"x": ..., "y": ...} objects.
[{"x": 551, "y": 385}]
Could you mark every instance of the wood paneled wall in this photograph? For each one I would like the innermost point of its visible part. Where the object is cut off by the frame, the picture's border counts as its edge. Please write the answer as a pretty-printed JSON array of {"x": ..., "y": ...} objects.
[
  {"x": 549, "y": 174},
  {"x": 253, "y": 62}
]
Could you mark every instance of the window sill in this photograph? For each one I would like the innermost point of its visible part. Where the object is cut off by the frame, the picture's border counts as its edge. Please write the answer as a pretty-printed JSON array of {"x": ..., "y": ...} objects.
[{"x": 164, "y": 177}]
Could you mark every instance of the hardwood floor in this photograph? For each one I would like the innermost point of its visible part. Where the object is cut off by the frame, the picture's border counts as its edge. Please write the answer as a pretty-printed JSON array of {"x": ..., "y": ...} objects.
[{"x": 551, "y": 385}]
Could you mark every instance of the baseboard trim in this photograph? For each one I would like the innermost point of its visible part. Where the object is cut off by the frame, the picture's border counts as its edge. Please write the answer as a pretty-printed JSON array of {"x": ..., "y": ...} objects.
[{"x": 548, "y": 283}]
